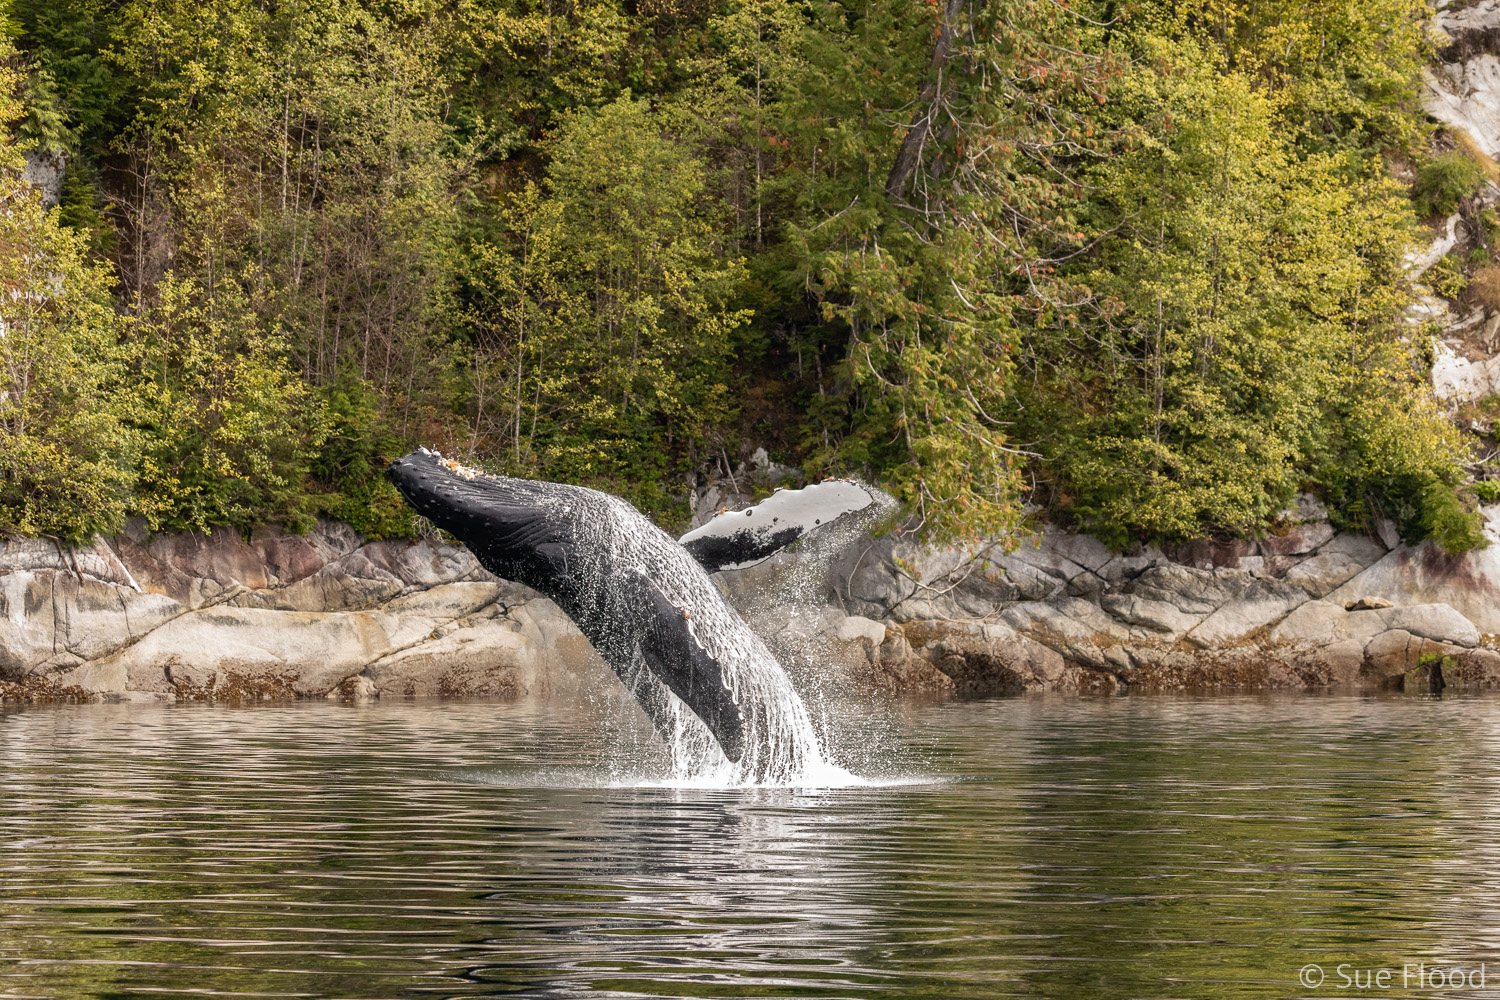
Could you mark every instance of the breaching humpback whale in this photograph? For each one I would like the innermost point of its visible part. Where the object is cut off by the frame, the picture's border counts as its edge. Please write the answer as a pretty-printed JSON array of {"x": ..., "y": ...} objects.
[{"x": 641, "y": 598}]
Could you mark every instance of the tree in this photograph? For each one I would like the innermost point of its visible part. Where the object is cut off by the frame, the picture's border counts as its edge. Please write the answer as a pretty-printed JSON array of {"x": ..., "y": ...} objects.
[
  {"x": 938, "y": 148},
  {"x": 1249, "y": 325},
  {"x": 66, "y": 449},
  {"x": 229, "y": 430},
  {"x": 653, "y": 368},
  {"x": 524, "y": 324}
]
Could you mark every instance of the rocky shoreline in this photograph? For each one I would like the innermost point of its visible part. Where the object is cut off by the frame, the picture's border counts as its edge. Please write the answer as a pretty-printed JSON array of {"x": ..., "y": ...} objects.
[
  {"x": 277, "y": 615},
  {"x": 333, "y": 615},
  {"x": 1309, "y": 609}
]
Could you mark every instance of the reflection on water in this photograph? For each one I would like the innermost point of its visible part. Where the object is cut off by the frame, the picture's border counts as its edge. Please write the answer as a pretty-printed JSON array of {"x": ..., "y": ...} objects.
[{"x": 1035, "y": 847}]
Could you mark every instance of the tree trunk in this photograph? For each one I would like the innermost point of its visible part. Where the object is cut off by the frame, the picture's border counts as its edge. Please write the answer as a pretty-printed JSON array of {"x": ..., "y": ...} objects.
[{"x": 910, "y": 153}]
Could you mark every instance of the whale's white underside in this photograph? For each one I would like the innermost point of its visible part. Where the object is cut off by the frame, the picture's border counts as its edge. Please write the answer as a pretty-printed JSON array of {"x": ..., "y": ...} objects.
[{"x": 800, "y": 511}]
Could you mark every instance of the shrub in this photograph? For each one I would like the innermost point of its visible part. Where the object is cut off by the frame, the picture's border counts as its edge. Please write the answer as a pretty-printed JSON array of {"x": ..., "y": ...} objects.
[
  {"x": 1398, "y": 457},
  {"x": 1466, "y": 145},
  {"x": 1447, "y": 520},
  {"x": 352, "y": 461},
  {"x": 228, "y": 427},
  {"x": 67, "y": 444},
  {"x": 1491, "y": 222},
  {"x": 1447, "y": 277},
  {"x": 1445, "y": 179},
  {"x": 1486, "y": 490}
]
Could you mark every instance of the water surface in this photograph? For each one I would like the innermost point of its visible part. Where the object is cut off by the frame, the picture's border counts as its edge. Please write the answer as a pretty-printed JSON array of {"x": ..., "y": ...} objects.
[{"x": 1089, "y": 848}]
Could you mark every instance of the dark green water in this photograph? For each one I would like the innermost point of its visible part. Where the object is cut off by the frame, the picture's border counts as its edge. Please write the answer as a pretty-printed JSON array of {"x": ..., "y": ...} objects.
[{"x": 1131, "y": 847}]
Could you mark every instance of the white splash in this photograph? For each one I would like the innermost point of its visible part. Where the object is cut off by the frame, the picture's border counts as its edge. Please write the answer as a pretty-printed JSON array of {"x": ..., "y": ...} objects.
[
  {"x": 781, "y": 745},
  {"x": 611, "y": 548}
]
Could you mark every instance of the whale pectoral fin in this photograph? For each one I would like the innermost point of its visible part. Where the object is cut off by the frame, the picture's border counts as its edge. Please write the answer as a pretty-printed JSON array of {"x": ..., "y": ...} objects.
[
  {"x": 745, "y": 547},
  {"x": 741, "y": 538},
  {"x": 674, "y": 656}
]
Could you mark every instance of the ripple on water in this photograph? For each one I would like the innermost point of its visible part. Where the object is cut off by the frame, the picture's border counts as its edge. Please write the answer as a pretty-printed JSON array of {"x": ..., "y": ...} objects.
[
  {"x": 1054, "y": 847},
  {"x": 821, "y": 778}
]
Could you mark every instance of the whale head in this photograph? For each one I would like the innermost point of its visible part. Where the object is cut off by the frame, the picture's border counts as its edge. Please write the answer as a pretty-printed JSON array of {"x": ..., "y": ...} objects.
[{"x": 512, "y": 525}]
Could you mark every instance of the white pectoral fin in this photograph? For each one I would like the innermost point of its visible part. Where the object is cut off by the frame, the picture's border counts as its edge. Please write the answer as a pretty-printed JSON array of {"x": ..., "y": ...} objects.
[{"x": 741, "y": 538}]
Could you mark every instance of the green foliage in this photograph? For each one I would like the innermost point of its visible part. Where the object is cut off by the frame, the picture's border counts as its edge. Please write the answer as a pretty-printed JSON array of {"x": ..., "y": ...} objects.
[
  {"x": 65, "y": 445},
  {"x": 920, "y": 241},
  {"x": 352, "y": 463},
  {"x": 81, "y": 208},
  {"x": 602, "y": 328},
  {"x": 1246, "y": 291},
  {"x": 73, "y": 75},
  {"x": 653, "y": 368},
  {"x": 1444, "y": 518},
  {"x": 1344, "y": 74},
  {"x": 1444, "y": 180},
  {"x": 1398, "y": 458},
  {"x": 229, "y": 430},
  {"x": 1137, "y": 265},
  {"x": 1446, "y": 277},
  {"x": 1486, "y": 491},
  {"x": 1490, "y": 219}
]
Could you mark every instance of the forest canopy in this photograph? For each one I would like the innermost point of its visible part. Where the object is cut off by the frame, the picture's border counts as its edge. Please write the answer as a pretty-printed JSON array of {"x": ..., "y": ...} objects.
[{"x": 1137, "y": 268}]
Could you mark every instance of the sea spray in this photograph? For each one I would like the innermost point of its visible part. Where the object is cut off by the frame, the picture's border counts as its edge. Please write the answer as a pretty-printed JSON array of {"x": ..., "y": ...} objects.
[
  {"x": 648, "y": 608},
  {"x": 781, "y": 744}
]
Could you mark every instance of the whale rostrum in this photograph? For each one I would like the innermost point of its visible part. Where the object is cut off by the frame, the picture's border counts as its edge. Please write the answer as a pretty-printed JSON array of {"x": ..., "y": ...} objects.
[{"x": 644, "y": 601}]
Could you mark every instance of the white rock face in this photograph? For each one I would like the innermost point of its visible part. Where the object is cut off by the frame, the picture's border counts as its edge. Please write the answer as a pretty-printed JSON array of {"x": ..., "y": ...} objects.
[
  {"x": 312, "y": 652},
  {"x": 1159, "y": 616},
  {"x": 1237, "y": 619},
  {"x": 1418, "y": 261},
  {"x": 1324, "y": 572},
  {"x": 1470, "y": 583},
  {"x": 1254, "y": 614},
  {"x": 854, "y": 627},
  {"x": 1433, "y": 621},
  {"x": 1325, "y": 622},
  {"x": 1428, "y": 308},
  {"x": 1459, "y": 380},
  {"x": 332, "y": 615},
  {"x": 1464, "y": 90},
  {"x": 44, "y": 170}
]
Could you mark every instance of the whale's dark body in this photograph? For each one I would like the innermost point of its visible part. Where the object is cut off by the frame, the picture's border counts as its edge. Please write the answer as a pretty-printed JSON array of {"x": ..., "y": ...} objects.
[
  {"x": 626, "y": 584},
  {"x": 641, "y": 598}
]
